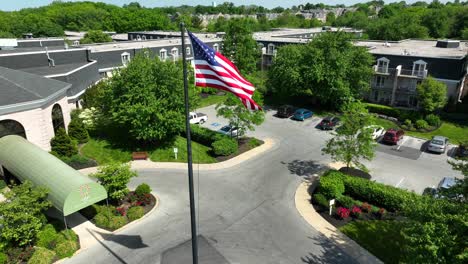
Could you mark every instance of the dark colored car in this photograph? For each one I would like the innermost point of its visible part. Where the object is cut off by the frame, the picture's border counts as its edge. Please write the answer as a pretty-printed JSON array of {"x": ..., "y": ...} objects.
[
  {"x": 302, "y": 114},
  {"x": 285, "y": 111},
  {"x": 462, "y": 150},
  {"x": 328, "y": 123},
  {"x": 392, "y": 136}
]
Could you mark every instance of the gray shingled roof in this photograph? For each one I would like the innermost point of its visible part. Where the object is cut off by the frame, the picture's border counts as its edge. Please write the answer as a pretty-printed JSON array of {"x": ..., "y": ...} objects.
[{"x": 22, "y": 91}]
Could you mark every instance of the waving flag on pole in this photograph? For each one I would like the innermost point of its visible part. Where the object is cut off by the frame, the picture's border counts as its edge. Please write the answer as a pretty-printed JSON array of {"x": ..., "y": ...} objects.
[{"x": 214, "y": 70}]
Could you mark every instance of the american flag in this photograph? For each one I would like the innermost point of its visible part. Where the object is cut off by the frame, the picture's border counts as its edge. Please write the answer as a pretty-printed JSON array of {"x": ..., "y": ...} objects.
[{"x": 214, "y": 70}]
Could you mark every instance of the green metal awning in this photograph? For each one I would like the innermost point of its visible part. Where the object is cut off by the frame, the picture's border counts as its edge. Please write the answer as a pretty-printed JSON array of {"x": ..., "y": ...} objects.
[{"x": 69, "y": 190}]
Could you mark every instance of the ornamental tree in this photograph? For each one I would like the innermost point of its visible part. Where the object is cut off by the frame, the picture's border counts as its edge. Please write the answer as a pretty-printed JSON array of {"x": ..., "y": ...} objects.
[
  {"x": 77, "y": 130},
  {"x": 22, "y": 213},
  {"x": 432, "y": 95},
  {"x": 62, "y": 145},
  {"x": 352, "y": 141},
  {"x": 115, "y": 177}
]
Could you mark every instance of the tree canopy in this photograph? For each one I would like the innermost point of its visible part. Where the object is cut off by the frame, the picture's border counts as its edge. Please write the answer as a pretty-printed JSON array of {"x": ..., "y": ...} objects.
[
  {"x": 329, "y": 68},
  {"x": 95, "y": 36},
  {"x": 432, "y": 95}
]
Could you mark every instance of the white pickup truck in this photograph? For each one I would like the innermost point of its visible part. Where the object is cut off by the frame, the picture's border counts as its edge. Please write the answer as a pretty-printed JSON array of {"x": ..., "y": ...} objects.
[{"x": 197, "y": 118}]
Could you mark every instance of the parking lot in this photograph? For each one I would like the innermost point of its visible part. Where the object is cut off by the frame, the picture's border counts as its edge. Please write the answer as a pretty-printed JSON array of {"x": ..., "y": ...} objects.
[{"x": 405, "y": 165}]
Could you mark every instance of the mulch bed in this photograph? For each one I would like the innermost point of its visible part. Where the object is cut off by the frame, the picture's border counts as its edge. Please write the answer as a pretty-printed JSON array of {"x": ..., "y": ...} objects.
[
  {"x": 338, "y": 222},
  {"x": 243, "y": 147}
]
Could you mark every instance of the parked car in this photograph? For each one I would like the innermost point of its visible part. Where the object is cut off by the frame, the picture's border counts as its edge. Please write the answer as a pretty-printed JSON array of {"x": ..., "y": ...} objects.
[
  {"x": 197, "y": 118},
  {"x": 438, "y": 144},
  {"x": 393, "y": 136},
  {"x": 285, "y": 111},
  {"x": 301, "y": 114},
  {"x": 329, "y": 122},
  {"x": 377, "y": 131},
  {"x": 444, "y": 184},
  {"x": 229, "y": 130}
]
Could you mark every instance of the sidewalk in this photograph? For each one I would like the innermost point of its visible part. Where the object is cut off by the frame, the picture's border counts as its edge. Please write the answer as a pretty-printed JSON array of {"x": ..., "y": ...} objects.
[
  {"x": 349, "y": 246},
  {"x": 268, "y": 144}
]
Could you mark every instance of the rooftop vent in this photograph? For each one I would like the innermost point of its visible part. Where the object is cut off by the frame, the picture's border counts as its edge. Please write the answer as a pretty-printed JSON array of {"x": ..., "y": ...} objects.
[{"x": 448, "y": 44}]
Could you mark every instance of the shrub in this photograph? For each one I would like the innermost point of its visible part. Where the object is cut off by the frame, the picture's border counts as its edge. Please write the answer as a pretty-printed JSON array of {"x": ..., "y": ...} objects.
[
  {"x": 145, "y": 199},
  {"x": 421, "y": 124},
  {"x": 3, "y": 258},
  {"x": 62, "y": 144},
  {"x": 116, "y": 222},
  {"x": 101, "y": 220},
  {"x": 346, "y": 201},
  {"x": 253, "y": 143},
  {"x": 342, "y": 212},
  {"x": 41, "y": 256},
  {"x": 320, "y": 200},
  {"x": 78, "y": 162},
  {"x": 331, "y": 185},
  {"x": 115, "y": 177},
  {"x": 224, "y": 146},
  {"x": 356, "y": 211},
  {"x": 410, "y": 114},
  {"x": 135, "y": 212},
  {"x": 66, "y": 248},
  {"x": 433, "y": 120},
  {"x": 143, "y": 189},
  {"x": 204, "y": 136},
  {"x": 383, "y": 109},
  {"x": 77, "y": 131},
  {"x": 67, "y": 234},
  {"x": 381, "y": 213},
  {"x": 366, "y": 208},
  {"x": 408, "y": 124},
  {"x": 46, "y": 237},
  {"x": 122, "y": 211}
]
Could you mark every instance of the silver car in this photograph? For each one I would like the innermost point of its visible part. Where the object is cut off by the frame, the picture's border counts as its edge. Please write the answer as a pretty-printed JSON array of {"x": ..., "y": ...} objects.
[
  {"x": 229, "y": 130},
  {"x": 438, "y": 144}
]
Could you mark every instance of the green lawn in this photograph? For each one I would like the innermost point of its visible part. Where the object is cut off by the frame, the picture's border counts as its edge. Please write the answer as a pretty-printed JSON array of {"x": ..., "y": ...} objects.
[
  {"x": 387, "y": 124},
  {"x": 381, "y": 238},
  {"x": 212, "y": 99},
  {"x": 200, "y": 153},
  {"x": 102, "y": 152},
  {"x": 455, "y": 132}
]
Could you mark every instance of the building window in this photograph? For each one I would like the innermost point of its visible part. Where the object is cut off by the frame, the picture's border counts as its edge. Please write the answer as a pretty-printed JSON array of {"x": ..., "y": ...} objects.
[
  {"x": 11, "y": 127},
  {"x": 57, "y": 118},
  {"x": 379, "y": 81},
  {"x": 187, "y": 50},
  {"x": 216, "y": 47},
  {"x": 144, "y": 37},
  {"x": 151, "y": 37},
  {"x": 413, "y": 101},
  {"x": 163, "y": 54},
  {"x": 382, "y": 65},
  {"x": 125, "y": 58},
  {"x": 419, "y": 68},
  {"x": 271, "y": 48},
  {"x": 175, "y": 53}
]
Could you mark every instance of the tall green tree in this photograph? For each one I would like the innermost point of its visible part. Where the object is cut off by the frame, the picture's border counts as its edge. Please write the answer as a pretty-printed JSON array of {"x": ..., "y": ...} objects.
[
  {"x": 432, "y": 95},
  {"x": 62, "y": 145},
  {"x": 240, "y": 47},
  {"x": 329, "y": 68},
  {"x": 238, "y": 115},
  {"x": 115, "y": 177},
  {"x": 22, "y": 213},
  {"x": 352, "y": 141},
  {"x": 95, "y": 36},
  {"x": 146, "y": 99}
]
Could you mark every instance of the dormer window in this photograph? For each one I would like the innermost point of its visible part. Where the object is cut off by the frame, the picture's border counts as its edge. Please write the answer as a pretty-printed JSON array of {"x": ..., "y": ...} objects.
[
  {"x": 138, "y": 37},
  {"x": 125, "y": 58},
  {"x": 271, "y": 48},
  {"x": 382, "y": 65},
  {"x": 187, "y": 50},
  {"x": 216, "y": 47},
  {"x": 76, "y": 43},
  {"x": 144, "y": 37},
  {"x": 175, "y": 53},
  {"x": 419, "y": 68},
  {"x": 163, "y": 54}
]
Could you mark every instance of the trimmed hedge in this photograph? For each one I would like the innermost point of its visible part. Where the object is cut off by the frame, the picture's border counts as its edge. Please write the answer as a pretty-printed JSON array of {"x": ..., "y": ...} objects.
[
  {"x": 383, "y": 109},
  {"x": 433, "y": 120},
  {"x": 225, "y": 146},
  {"x": 333, "y": 184},
  {"x": 41, "y": 256},
  {"x": 347, "y": 201},
  {"x": 204, "y": 136},
  {"x": 66, "y": 248},
  {"x": 320, "y": 200},
  {"x": 421, "y": 124},
  {"x": 46, "y": 238},
  {"x": 135, "y": 212}
]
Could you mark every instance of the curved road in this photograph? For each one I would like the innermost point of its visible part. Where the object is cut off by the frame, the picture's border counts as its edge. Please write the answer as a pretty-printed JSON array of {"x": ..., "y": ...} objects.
[{"x": 246, "y": 214}]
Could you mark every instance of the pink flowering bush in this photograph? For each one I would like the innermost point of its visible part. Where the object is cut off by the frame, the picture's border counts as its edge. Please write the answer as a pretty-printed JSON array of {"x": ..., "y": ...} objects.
[
  {"x": 356, "y": 211},
  {"x": 122, "y": 210},
  {"x": 342, "y": 212}
]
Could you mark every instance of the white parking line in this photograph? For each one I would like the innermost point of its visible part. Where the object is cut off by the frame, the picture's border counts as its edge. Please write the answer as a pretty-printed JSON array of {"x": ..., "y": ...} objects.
[
  {"x": 398, "y": 184},
  {"x": 402, "y": 142}
]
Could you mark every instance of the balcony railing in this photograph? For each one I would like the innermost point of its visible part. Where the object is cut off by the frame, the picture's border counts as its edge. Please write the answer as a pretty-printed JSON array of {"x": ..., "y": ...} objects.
[
  {"x": 406, "y": 89},
  {"x": 410, "y": 73},
  {"x": 383, "y": 70}
]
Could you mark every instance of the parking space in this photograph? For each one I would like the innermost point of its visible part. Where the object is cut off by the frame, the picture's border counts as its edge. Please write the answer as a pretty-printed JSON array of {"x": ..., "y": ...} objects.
[{"x": 408, "y": 147}]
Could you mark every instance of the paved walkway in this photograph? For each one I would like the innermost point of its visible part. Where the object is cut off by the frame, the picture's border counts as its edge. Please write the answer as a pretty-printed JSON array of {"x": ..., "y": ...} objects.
[{"x": 307, "y": 211}]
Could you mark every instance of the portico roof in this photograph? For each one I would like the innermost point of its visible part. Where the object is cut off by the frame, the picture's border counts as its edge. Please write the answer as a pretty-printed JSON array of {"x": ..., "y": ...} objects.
[{"x": 69, "y": 190}]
